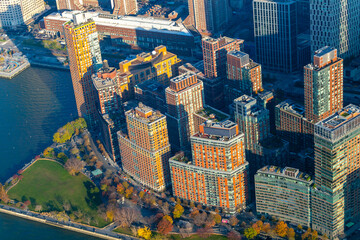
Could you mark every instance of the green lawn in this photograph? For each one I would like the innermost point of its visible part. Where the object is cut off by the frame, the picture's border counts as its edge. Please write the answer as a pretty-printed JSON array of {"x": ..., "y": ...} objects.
[
  {"x": 122, "y": 230},
  {"x": 48, "y": 184}
]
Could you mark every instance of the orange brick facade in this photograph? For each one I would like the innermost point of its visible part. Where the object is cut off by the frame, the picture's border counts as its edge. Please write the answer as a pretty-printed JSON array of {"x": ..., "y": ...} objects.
[{"x": 217, "y": 175}]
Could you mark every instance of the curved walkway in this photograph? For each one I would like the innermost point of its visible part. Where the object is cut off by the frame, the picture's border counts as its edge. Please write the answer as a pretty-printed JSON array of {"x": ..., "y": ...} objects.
[{"x": 93, "y": 231}]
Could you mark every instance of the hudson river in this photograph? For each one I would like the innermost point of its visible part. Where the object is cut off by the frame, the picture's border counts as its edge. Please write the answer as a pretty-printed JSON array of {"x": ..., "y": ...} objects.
[{"x": 33, "y": 106}]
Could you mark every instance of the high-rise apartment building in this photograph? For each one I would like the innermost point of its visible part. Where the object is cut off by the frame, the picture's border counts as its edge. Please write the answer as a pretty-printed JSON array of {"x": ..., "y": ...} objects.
[
  {"x": 159, "y": 65},
  {"x": 340, "y": 31},
  {"x": 184, "y": 97},
  {"x": 275, "y": 31},
  {"x": 124, "y": 7},
  {"x": 214, "y": 66},
  {"x": 336, "y": 198},
  {"x": 323, "y": 84},
  {"x": 261, "y": 147},
  {"x": 108, "y": 90},
  {"x": 209, "y": 16},
  {"x": 284, "y": 193},
  {"x": 243, "y": 73},
  {"x": 83, "y": 47},
  {"x": 215, "y": 54},
  {"x": 217, "y": 175},
  {"x": 17, "y": 12},
  {"x": 145, "y": 150},
  {"x": 292, "y": 126}
]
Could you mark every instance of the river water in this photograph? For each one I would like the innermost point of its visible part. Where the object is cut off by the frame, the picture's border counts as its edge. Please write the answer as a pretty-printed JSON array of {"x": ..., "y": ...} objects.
[{"x": 33, "y": 105}]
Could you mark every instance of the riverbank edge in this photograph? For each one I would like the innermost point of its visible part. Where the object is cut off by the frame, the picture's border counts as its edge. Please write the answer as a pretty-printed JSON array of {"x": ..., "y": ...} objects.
[
  {"x": 15, "y": 72},
  {"x": 58, "y": 225}
]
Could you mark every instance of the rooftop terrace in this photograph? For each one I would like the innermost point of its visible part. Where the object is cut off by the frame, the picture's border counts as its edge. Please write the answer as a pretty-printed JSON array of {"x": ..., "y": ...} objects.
[
  {"x": 340, "y": 123},
  {"x": 286, "y": 172},
  {"x": 144, "y": 113}
]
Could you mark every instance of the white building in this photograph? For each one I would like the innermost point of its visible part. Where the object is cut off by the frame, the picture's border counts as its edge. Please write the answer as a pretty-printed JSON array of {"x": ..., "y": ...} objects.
[
  {"x": 336, "y": 24},
  {"x": 17, "y": 12}
]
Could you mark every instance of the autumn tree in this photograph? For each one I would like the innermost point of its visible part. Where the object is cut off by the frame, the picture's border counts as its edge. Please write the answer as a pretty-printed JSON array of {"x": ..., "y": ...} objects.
[
  {"x": 250, "y": 233},
  {"x": 281, "y": 228},
  {"x": 144, "y": 232},
  {"x": 200, "y": 219},
  {"x": 3, "y": 195},
  {"x": 267, "y": 227},
  {"x": 120, "y": 188},
  {"x": 128, "y": 192},
  {"x": 126, "y": 216},
  {"x": 49, "y": 152},
  {"x": 178, "y": 211},
  {"x": 165, "y": 225},
  {"x": 62, "y": 156},
  {"x": 217, "y": 218},
  {"x": 290, "y": 234},
  {"x": 74, "y": 166},
  {"x": 233, "y": 221}
]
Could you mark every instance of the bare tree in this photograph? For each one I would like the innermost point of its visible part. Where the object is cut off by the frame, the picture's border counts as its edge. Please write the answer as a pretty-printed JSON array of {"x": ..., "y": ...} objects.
[
  {"x": 165, "y": 208},
  {"x": 126, "y": 216},
  {"x": 74, "y": 166}
]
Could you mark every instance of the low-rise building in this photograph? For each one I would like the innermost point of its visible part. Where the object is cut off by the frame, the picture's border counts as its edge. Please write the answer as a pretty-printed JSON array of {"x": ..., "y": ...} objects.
[
  {"x": 284, "y": 193},
  {"x": 132, "y": 31},
  {"x": 159, "y": 65}
]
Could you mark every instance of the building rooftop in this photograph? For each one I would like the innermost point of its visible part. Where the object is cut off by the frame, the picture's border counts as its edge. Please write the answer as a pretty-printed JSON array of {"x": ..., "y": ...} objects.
[
  {"x": 130, "y": 22},
  {"x": 339, "y": 124},
  {"x": 324, "y": 51},
  {"x": 221, "y": 40},
  {"x": 219, "y": 131},
  {"x": 144, "y": 113},
  {"x": 291, "y": 107},
  {"x": 152, "y": 86},
  {"x": 101, "y": 83},
  {"x": 213, "y": 114},
  {"x": 289, "y": 172}
]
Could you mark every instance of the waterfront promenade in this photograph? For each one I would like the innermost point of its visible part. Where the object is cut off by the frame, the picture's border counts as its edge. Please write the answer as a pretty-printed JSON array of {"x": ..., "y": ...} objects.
[{"x": 103, "y": 233}]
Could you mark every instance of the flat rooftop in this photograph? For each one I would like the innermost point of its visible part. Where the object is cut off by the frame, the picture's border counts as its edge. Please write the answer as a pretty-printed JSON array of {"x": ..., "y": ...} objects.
[
  {"x": 182, "y": 77},
  {"x": 218, "y": 131},
  {"x": 213, "y": 114},
  {"x": 324, "y": 51},
  {"x": 101, "y": 83},
  {"x": 130, "y": 22},
  {"x": 291, "y": 107},
  {"x": 288, "y": 172},
  {"x": 244, "y": 99},
  {"x": 340, "y": 124},
  {"x": 144, "y": 113}
]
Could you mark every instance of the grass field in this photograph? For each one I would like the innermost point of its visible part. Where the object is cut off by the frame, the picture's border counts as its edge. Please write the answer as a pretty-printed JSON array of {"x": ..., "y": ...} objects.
[{"x": 48, "y": 184}]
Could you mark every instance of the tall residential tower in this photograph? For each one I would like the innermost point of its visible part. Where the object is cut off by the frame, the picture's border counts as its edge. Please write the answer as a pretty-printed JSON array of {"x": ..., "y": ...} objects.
[
  {"x": 82, "y": 42},
  {"x": 323, "y": 84}
]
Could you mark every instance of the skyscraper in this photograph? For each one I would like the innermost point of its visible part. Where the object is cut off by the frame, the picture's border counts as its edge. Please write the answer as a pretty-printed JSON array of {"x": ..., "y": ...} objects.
[
  {"x": 209, "y": 16},
  {"x": 215, "y": 53},
  {"x": 336, "y": 198},
  {"x": 243, "y": 73},
  {"x": 275, "y": 31},
  {"x": 85, "y": 58},
  {"x": 108, "y": 92},
  {"x": 124, "y": 7},
  {"x": 145, "y": 150},
  {"x": 218, "y": 173},
  {"x": 184, "y": 97},
  {"x": 336, "y": 24},
  {"x": 214, "y": 57},
  {"x": 261, "y": 147},
  {"x": 323, "y": 84}
]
